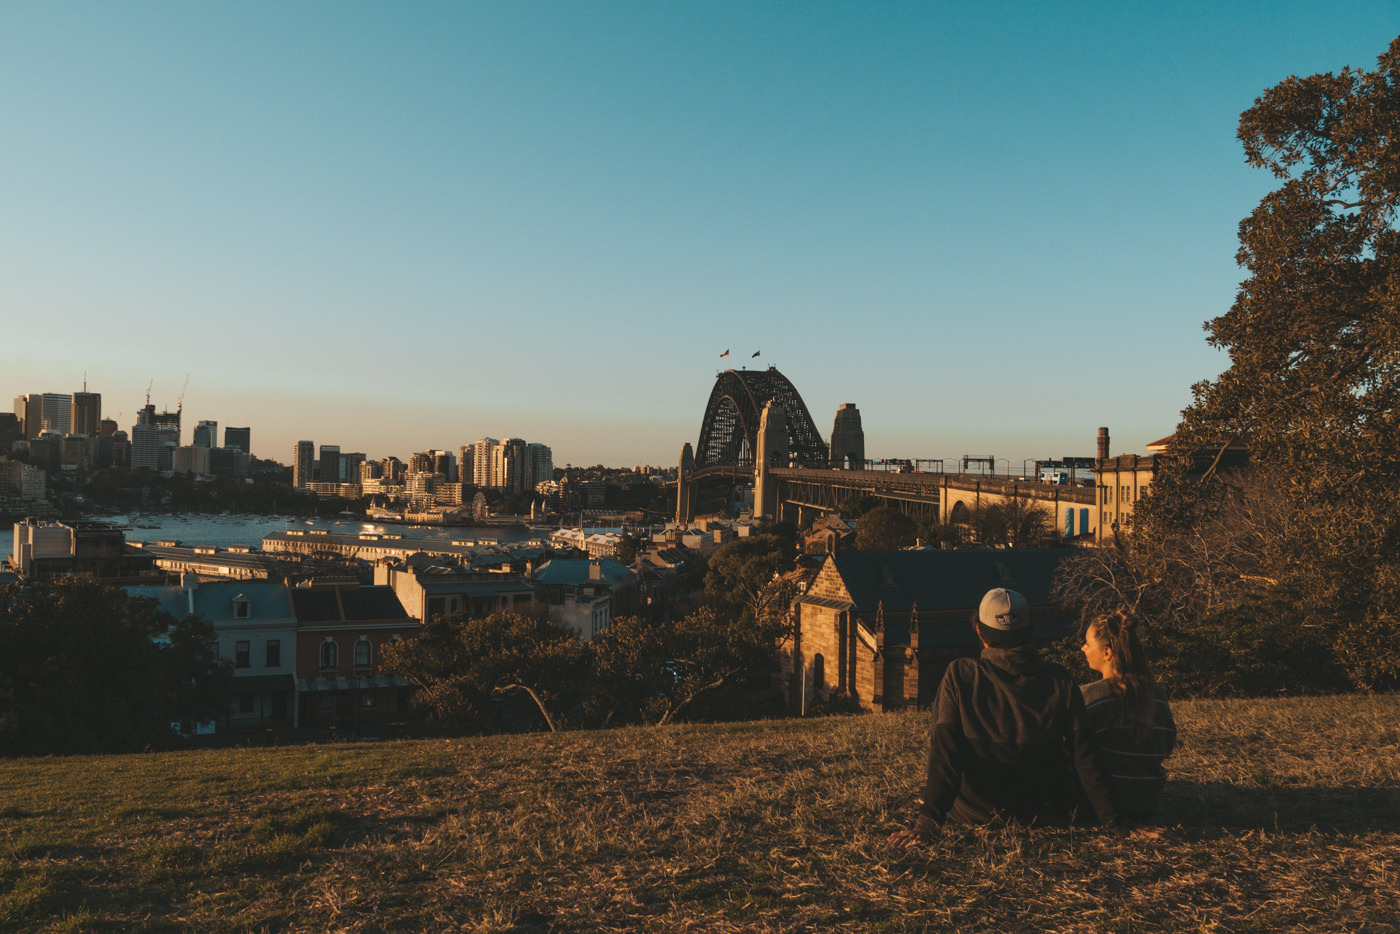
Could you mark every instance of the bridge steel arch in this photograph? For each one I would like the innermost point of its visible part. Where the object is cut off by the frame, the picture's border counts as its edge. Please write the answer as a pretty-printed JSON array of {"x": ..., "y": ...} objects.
[{"x": 729, "y": 433}]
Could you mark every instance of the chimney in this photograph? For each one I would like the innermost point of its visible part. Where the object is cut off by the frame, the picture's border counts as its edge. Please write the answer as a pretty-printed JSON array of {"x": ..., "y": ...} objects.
[
  {"x": 1103, "y": 444},
  {"x": 189, "y": 583}
]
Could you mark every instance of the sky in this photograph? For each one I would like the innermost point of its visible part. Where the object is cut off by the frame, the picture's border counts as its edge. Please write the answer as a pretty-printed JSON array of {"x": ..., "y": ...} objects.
[{"x": 994, "y": 227}]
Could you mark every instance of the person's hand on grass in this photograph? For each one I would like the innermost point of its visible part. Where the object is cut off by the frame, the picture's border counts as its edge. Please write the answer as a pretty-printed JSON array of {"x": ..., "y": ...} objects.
[
  {"x": 1154, "y": 834},
  {"x": 909, "y": 838}
]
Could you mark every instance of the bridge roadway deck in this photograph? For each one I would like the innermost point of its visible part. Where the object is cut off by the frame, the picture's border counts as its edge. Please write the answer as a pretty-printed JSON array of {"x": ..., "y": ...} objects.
[
  {"x": 917, "y": 487},
  {"x": 922, "y": 492}
]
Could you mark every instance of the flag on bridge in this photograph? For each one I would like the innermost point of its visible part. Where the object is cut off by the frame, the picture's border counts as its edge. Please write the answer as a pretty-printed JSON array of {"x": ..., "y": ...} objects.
[
  {"x": 755, "y": 354},
  {"x": 725, "y": 354}
]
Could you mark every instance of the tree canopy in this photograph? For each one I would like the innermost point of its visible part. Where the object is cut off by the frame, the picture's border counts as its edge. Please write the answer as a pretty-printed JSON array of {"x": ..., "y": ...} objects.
[
  {"x": 1308, "y": 535},
  {"x": 463, "y": 664},
  {"x": 746, "y": 574},
  {"x": 86, "y": 668},
  {"x": 885, "y": 528}
]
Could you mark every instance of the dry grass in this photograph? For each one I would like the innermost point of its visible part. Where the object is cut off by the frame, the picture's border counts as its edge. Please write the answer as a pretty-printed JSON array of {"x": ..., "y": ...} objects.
[{"x": 1288, "y": 814}]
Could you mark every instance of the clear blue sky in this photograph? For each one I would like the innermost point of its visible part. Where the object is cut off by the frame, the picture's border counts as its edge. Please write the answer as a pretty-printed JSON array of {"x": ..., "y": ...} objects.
[{"x": 994, "y": 227}]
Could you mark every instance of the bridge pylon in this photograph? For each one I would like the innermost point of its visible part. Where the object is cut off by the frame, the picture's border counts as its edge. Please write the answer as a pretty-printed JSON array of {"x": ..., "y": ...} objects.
[
  {"x": 772, "y": 452},
  {"x": 685, "y": 487}
]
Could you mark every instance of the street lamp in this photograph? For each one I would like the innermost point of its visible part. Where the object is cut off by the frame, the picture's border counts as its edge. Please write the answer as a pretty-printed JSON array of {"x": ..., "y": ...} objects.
[
  {"x": 999, "y": 460},
  {"x": 1024, "y": 472}
]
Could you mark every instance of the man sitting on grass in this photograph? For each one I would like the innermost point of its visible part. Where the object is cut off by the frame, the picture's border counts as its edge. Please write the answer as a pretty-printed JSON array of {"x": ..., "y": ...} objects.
[{"x": 1000, "y": 724}]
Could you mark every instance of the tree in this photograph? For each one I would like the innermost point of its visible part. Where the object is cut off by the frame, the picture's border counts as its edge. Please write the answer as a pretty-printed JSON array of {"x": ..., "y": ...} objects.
[
  {"x": 857, "y": 505},
  {"x": 1016, "y": 522},
  {"x": 1312, "y": 388},
  {"x": 656, "y": 671},
  {"x": 746, "y": 574},
  {"x": 461, "y": 665},
  {"x": 86, "y": 668},
  {"x": 885, "y": 529},
  {"x": 628, "y": 545}
]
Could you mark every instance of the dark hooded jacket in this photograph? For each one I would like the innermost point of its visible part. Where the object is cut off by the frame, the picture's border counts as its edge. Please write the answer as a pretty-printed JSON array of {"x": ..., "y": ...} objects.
[{"x": 1001, "y": 724}]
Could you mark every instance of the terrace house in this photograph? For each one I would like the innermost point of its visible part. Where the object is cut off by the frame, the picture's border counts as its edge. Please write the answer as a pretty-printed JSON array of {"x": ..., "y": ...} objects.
[
  {"x": 341, "y": 634},
  {"x": 255, "y": 634}
]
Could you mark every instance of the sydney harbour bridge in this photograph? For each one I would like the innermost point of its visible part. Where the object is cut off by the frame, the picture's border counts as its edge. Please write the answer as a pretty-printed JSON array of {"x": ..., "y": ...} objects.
[{"x": 757, "y": 429}]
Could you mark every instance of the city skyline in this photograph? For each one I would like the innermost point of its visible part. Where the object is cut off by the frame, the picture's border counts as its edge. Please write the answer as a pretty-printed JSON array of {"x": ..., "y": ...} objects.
[{"x": 993, "y": 229}]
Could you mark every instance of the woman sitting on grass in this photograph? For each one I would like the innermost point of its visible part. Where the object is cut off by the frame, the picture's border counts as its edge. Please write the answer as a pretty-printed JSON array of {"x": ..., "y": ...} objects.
[{"x": 1128, "y": 714}]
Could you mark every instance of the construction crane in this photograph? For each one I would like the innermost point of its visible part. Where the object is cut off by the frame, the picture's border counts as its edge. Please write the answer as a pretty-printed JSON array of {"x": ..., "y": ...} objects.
[
  {"x": 148, "y": 391},
  {"x": 180, "y": 403}
]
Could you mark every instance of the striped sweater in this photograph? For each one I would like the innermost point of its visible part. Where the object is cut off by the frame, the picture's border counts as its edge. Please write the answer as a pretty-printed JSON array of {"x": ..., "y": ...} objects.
[{"x": 1134, "y": 767}]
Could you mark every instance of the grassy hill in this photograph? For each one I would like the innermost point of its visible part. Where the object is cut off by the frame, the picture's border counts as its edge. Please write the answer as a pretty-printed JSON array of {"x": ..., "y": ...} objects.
[{"x": 1288, "y": 816}]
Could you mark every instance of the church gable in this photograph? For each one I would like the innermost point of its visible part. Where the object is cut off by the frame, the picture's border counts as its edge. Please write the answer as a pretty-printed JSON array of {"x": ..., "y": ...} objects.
[{"x": 829, "y": 585}]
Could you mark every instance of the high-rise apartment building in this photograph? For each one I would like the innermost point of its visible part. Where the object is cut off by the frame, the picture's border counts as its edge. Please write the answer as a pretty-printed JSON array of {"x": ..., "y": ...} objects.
[
  {"x": 303, "y": 464},
  {"x": 206, "y": 434},
  {"x": 350, "y": 466},
  {"x": 391, "y": 468},
  {"x": 481, "y": 461},
  {"x": 466, "y": 463},
  {"x": 192, "y": 460},
  {"x": 510, "y": 463},
  {"x": 328, "y": 465},
  {"x": 541, "y": 464},
  {"x": 149, "y": 450},
  {"x": 445, "y": 464},
  {"x": 85, "y": 416},
  {"x": 240, "y": 438},
  {"x": 228, "y": 462}
]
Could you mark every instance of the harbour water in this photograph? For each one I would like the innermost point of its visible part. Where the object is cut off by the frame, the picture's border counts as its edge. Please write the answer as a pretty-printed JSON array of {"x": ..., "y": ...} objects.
[{"x": 250, "y": 530}]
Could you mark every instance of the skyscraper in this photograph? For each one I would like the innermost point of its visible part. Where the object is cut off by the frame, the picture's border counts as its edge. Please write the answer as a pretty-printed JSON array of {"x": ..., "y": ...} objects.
[
  {"x": 328, "y": 466},
  {"x": 541, "y": 464},
  {"x": 241, "y": 438},
  {"x": 466, "y": 469},
  {"x": 58, "y": 412},
  {"x": 509, "y": 464},
  {"x": 85, "y": 417},
  {"x": 206, "y": 434},
  {"x": 350, "y": 462},
  {"x": 29, "y": 409},
  {"x": 303, "y": 461},
  {"x": 445, "y": 464},
  {"x": 481, "y": 462}
]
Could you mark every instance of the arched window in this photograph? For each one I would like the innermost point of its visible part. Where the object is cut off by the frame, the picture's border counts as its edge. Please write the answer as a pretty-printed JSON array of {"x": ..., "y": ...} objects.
[
  {"x": 330, "y": 655},
  {"x": 362, "y": 655}
]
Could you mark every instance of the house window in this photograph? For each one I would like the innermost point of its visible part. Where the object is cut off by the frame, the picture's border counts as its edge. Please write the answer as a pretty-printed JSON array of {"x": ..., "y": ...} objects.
[
  {"x": 242, "y": 608},
  {"x": 274, "y": 653},
  {"x": 240, "y": 654},
  {"x": 330, "y": 655},
  {"x": 367, "y": 700},
  {"x": 362, "y": 654}
]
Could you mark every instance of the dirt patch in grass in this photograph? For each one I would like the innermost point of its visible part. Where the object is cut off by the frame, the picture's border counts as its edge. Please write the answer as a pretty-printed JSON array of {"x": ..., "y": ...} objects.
[{"x": 1287, "y": 814}]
